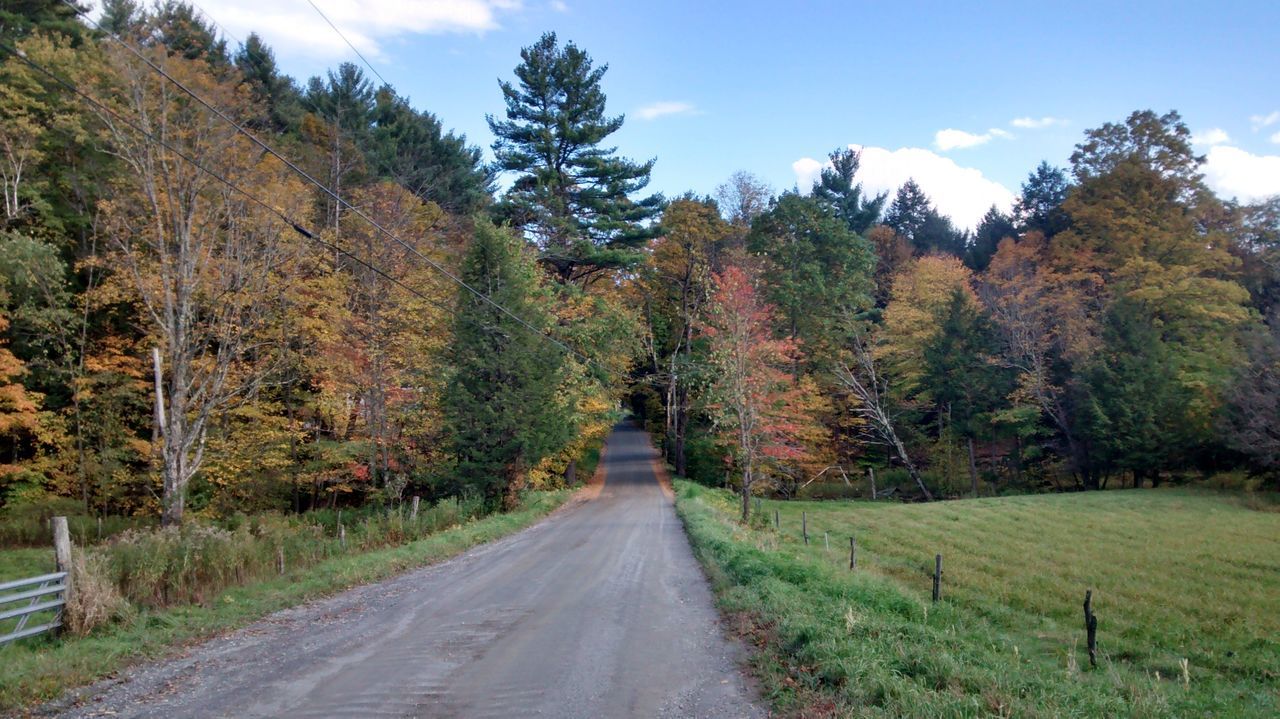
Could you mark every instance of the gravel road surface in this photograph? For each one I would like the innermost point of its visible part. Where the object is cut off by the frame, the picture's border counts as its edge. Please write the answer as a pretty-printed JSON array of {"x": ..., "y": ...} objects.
[{"x": 599, "y": 611}]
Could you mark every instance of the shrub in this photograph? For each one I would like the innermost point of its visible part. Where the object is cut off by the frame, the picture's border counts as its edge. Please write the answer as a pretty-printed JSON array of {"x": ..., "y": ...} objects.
[{"x": 95, "y": 600}]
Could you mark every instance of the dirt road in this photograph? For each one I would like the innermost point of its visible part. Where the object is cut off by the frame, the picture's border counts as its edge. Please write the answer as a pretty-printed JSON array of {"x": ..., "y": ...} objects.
[{"x": 599, "y": 611}]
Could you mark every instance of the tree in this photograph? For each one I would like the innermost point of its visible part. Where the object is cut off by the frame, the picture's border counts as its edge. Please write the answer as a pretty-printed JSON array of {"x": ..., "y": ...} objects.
[
  {"x": 1251, "y": 422},
  {"x": 197, "y": 256},
  {"x": 836, "y": 189},
  {"x": 412, "y": 149},
  {"x": 274, "y": 92},
  {"x": 915, "y": 314},
  {"x": 963, "y": 380},
  {"x": 752, "y": 398},
  {"x": 818, "y": 271},
  {"x": 743, "y": 198},
  {"x": 676, "y": 285},
  {"x": 871, "y": 390},
  {"x": 1140, "y": 230},
  {"x": 994, "y": 227},
  {"x": 504, "y": 413},
  {"x": 913, "y": 216},
  {"x": 571, "y": 196},
  {"x": 1039, "y": 208},
  {"x": 1135, "y": 412}
]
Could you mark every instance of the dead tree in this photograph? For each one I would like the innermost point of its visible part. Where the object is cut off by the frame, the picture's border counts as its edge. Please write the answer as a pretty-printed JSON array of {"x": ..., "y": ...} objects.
[{"x": 864, "y": 380}]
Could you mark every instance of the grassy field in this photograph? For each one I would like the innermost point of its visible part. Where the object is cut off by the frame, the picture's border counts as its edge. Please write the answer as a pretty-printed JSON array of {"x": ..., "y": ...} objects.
[
  {"x": 42, "y": 668},
  {"x": 1176, "y": 575}
]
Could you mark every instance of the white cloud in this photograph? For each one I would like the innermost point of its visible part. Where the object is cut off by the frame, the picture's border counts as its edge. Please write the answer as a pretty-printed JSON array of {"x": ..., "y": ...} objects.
[
  {"x": 962, "y": 193},
  {"x": 1036, "y": 123},
  {"x": 655, "y": 110},
  {"x": 1276, "y": 138},
  {"x": 952, "y": 139},
  {"x": 559, "y": 6},
  {"x": 1261, "y": 121},
  {"x": 1214, "y": 136},
  {"x": 1233, "y": 172},
  {"x": 292, "y": 27}
]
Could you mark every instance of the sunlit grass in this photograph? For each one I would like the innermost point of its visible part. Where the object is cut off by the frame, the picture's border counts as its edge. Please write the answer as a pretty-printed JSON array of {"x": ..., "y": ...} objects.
[{"x": 1176, "y": 575}]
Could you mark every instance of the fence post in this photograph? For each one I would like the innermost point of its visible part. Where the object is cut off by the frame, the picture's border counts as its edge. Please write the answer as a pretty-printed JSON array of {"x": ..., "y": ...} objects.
[
  {"x": 414, "y": 514},
  {"x": 342, "y": 536},
  {"x": 871, "y": 473},
  {"x": 1091, "y": 628},
  {"x": 826, "y": 542},
  {"x": 777, "y": 523},
  {"x": 937, "y": 578},
  {"x": 853, "y": 554},
  {"x": 804, "y": 526},
  {"x": 62, "y": 554},
  {"x": 280, "y": 557}
]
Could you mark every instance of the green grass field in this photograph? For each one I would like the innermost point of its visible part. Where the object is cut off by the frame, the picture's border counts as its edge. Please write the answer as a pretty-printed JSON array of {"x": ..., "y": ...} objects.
[{"x": 1176, "y": 575}]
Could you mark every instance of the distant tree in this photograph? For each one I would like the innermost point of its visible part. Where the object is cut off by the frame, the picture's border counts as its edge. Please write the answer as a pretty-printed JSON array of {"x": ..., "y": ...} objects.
[
  {"x": 1135, "y": 411},
  {"x": 572, "y": 196},
  {"x": 964, "y": 382},
  {"x": 913, "y": 216},
  {"x": 1251, "y": 422},
  {"x": 909, "y": 211},
  {"x": 677, "y": 283},
  {"x": 743, "y": 198},
  {"x": 274, "y": 93},
  {"x": 917, "y": 309},
  {"x": 893, "y": 252},
  {"x": 503, "y": 415},
  {"x": 994, "y": 227},
  {"x": 817, "y": 272},
  {"x": 837, "y": 189},
  {"x": 185, "y": 31},
  {"x": 412, "y": 149},
  {"x": 1039, "y": 208},
  {"x": 19, "y": 18}
]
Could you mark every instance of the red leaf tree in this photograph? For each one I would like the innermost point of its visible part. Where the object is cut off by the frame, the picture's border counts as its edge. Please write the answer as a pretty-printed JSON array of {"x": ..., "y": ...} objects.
[{"x": 762, "y": 413}]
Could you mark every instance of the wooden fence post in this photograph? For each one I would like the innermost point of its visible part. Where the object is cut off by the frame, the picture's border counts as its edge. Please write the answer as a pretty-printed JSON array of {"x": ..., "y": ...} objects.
[
  {"x": 1091, "y": 628},
  {"x": 62, "y": 554},
  {"x": 937, "y": 578},
  {"x": 853, "y": 554},
  {"x": 777, "y": 523},
  {"x": 826, "y": 542},
  {"x": 342, "y": 536},
  {"x": 804, "y": 526},
  {"x": 413, "y": 515},
  {"x": 280, "y": 557},
  {"x": 871, "y": 474}
]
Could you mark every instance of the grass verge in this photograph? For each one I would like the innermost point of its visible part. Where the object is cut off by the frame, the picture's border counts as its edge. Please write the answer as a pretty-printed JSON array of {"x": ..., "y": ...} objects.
[
  {"x": 40, "y": 670},
  {"x": 1176, "y": 575}
]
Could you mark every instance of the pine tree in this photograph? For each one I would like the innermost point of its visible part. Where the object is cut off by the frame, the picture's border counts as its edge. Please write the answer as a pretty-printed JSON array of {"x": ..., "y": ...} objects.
[
  {"x": 836, "y": 189},
  {"x": 503, "y": 412},
  {"x": 994, "y": 227},
  {"x": 572, "y": 196},
  {"x": 1040, "y": 206},
  {"x": 913, "y": 216}
]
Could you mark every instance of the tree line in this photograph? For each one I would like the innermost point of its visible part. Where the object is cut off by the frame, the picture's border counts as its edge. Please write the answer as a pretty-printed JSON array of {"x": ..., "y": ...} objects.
[{"x": 223, "y": 290}]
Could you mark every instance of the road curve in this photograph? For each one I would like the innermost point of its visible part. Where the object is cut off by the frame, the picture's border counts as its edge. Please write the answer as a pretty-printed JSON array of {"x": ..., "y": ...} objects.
[{"x": 599, "y": 611}]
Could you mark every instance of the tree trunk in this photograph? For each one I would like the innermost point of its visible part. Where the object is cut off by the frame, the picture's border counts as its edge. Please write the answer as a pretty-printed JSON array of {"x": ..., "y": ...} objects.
[
  {"x": 973, "y": 468},
  {"x": 571, "y": 473}
]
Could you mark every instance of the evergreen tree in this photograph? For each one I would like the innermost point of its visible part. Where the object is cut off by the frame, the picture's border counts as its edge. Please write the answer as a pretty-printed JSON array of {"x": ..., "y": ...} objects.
[
  {"x": 836, "y": 189},
  {"x": 186, "y": 32},
  {"x": 1040, "y": 206},
  {"x": 274, "y": 93},
  {"x": 503, "y": 411},
  {"x": 412, "y": 149},
  {"x": 818, "y": 271},
  {"x": 19, "y": 18},
  {"x": 912, "y": 215},
  {"x": 995, "y": 226},
  {"x": 572, "y": 196},
  {"x": 1134, "y": 416}
]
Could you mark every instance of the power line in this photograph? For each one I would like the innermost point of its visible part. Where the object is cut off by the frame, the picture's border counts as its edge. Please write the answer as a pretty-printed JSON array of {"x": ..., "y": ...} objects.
[
  {"x": 325, "y": 189},
  {"x": 296, "y": 226},
  {"x": 348, "y": 42}
]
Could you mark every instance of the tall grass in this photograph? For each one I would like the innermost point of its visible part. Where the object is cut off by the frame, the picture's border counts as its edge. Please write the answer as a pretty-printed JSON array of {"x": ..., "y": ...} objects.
[{"x": 1176, "y": 576}]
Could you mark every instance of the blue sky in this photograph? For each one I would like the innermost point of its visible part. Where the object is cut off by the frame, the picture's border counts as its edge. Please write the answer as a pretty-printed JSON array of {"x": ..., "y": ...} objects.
[{"x": 772, "y": 87}]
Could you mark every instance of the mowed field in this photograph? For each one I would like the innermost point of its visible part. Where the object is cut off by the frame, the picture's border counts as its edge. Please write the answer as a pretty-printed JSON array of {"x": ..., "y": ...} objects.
[{"x": 1176, "y": 575}]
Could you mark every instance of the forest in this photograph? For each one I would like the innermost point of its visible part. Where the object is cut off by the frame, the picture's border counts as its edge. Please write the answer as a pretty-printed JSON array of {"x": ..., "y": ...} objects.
[{"x": 224, "y": 290}]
